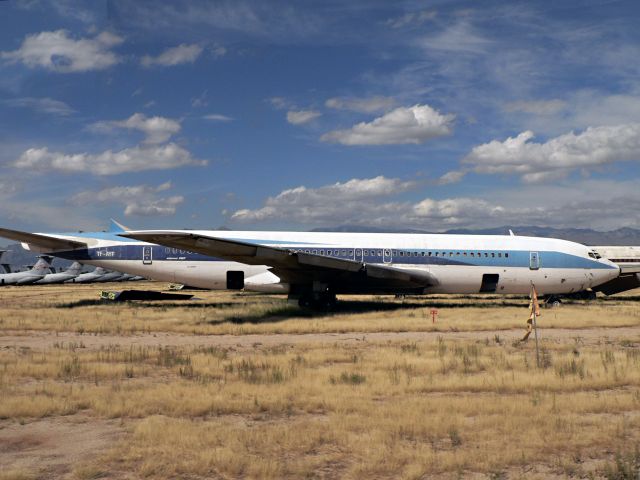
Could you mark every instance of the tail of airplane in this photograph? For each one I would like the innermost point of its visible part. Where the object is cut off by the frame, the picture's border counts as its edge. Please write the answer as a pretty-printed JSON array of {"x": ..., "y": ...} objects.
[
  {"x": 6, "y": 268},
  {"x": 117, "y": 227},
  {"x": 43, "y": 265},
  {"x": 74, "y": 269}
]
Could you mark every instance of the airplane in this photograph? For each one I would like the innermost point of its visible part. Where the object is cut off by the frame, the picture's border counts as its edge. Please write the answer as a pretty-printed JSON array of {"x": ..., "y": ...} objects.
[
  {"x": 38, "y": 271},
  {"x": 109, "y": 251},
  {"x": 4, "y": 267},
  {"x": 312, "y": 267},
  {"x": 69, "y": 274},
  {"x": 89, "y": 277}
]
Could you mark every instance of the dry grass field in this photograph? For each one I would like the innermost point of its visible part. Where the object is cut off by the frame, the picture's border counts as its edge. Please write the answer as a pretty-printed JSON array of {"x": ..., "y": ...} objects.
[{"x": 238, "y": 385}]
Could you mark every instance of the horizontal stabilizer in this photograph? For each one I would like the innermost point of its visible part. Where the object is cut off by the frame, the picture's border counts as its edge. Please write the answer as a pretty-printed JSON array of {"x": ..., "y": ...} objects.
[{"x": 46, "y": 242}]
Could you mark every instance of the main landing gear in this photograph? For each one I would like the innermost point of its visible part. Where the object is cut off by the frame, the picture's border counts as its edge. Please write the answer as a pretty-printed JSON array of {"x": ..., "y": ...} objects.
[
  {"x": 318, "y": 301},
  {"x": 320, "y": 297}
]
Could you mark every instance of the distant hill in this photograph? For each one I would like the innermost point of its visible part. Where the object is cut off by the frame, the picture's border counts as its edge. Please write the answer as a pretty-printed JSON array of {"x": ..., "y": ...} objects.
[{"x": 621, "y": 236}]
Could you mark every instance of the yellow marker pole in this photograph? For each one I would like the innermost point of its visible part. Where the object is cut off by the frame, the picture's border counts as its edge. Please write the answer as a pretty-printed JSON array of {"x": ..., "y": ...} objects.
[{"x": 535, "y": 312}]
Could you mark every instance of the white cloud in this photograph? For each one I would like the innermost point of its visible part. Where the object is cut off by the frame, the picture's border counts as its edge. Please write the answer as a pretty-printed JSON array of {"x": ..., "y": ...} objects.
[
  {"x": 323, "y": 203},
  {"x": 454, "y": 176},
  {"x": 200, "y": 101},
  {"x": 133, "y": 159},
  {"x": 537, "y": 107},
  {"x": 58, "y": 52},
  {"x": 454, "y": 210},
  {"x": 298, "y": 117},
  {"x": 279, "y": 103},
  {"x": 364, "y": 105},
  {"x": 156, "y": 129},
  {"x": 140, "y": 200},
  {"x": 183, "y": 53},
  {"x": 217, "y": 117},
  {"x": 402, "y": 125},
  {"x": 44, "y": 105},
  {"x": 460, "y": 38},
  {"x": 411, "y": 19},
  {"x": 558, "y": 156},
  {"x": 163, "y": 206},
  {"x": 218, "y": 51},
  {"x": 600, "y": 204}
]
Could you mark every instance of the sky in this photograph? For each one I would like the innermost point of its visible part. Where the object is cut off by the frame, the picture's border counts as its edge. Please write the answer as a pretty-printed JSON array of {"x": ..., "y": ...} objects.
[{"x": 252, "y": 115}]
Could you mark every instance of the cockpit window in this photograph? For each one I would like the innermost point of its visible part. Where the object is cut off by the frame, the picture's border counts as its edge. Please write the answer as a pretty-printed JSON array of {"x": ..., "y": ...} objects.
[{"x": 594, "y": 254}]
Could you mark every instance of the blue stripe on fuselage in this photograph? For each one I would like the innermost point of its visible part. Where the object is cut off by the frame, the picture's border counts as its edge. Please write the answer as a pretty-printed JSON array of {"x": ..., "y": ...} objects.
[{"x": 498, "y": 258}]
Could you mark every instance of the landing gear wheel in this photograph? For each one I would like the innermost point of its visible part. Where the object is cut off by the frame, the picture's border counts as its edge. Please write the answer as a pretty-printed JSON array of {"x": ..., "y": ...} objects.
[{"x": 553, "y": 302}]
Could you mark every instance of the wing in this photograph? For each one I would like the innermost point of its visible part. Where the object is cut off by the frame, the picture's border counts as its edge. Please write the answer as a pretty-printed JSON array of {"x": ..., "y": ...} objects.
[
  {"x": 294, "y": 267},
  {"x": 46, "y": 242}
]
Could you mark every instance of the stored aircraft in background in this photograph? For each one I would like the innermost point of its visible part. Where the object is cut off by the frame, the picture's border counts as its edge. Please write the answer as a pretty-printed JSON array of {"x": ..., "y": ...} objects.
[
  {"x": 4, "y": 267},
  {"x": 89, "y": 277},
  {"x": 69, "y": 274},
  {"x": 37, "y": 272}
]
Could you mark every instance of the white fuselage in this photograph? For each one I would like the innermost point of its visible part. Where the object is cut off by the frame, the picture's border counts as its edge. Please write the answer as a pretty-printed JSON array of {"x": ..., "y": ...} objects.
[{"x": 460, "y": 263}]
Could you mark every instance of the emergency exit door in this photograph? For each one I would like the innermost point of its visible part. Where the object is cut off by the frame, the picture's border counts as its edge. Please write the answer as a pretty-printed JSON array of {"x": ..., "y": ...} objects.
[
  {"x": 534, "y": 260},
  {"x": 147, "y": 255}
]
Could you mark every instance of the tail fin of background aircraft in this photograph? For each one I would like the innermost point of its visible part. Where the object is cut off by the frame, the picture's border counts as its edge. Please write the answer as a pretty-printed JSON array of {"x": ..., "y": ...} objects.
[
  {"x": 5, "y": 266},
  {"x": 43, "y": 265},
  {"x": 74, "y": 269}
]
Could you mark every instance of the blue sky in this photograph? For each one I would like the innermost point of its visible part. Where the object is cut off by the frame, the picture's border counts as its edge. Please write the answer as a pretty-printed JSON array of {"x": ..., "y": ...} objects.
[{"x": 298, "y": 115}]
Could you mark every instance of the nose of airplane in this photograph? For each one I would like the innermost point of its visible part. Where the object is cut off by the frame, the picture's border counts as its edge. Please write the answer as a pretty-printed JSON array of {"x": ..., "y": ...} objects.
[{"x": 605, "y": 274}]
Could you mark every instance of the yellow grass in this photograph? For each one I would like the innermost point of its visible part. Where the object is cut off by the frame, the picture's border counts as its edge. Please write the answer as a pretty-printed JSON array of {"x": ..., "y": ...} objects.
[
  {"x": 77, "y": 309},
  {"x": 366, "y": 409}
]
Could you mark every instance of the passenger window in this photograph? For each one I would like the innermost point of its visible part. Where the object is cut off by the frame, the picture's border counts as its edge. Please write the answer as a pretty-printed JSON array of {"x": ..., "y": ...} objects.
[
  {"x": 506, "y": 255},
  {"x": 472, "y": 254},
  {"x": 486, "y": 254},
  {"x": 500, "y": 255},
  {"x": 493, "y": 254},
  {"x": 429, "y": 253},
  {"x": 315, "y": 252},
  {"x": 379, "y": 253}
]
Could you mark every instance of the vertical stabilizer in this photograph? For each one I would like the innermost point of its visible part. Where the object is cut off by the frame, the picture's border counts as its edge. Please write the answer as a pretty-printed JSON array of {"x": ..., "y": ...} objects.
[
  {"x": 43, "y": 265},
  {"x": 117, "y": 227},
  {"x": 74, "y": 269}
]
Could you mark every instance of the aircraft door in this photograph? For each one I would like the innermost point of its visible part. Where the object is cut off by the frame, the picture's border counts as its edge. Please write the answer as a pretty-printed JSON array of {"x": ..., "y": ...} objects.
[
  {"x": 147, "y": 255},
  {"x": 534, "y": 261},
  {"x": 387, "y": 257}
]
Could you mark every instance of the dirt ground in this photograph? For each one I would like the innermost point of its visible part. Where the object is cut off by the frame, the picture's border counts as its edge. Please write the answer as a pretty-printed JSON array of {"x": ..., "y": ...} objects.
[
  {"x": 43, "y": 340},
  {"x": 50, "y": 447},
  {"x": 79, "y": 440}
]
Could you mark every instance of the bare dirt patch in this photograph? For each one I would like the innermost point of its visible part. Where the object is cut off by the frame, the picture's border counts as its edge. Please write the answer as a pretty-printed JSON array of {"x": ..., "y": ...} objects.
[{"x": 52, "y": 447}]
